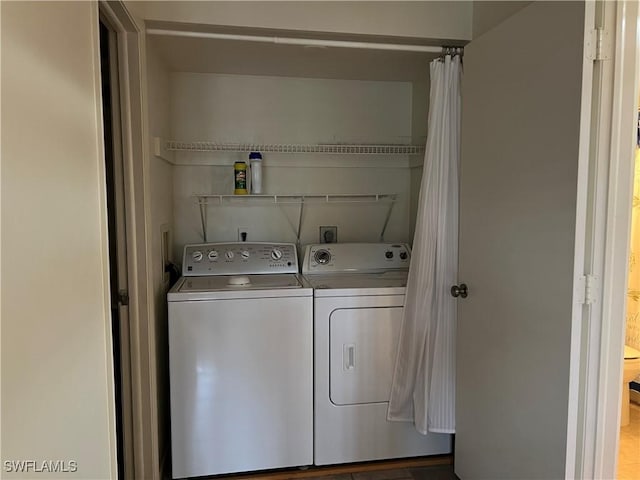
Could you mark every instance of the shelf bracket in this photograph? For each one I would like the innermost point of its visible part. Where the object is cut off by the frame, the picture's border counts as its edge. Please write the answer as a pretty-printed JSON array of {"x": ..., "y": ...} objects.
[
  {"x": 202, "y": 202},
  {"x": 300, "y": 222},
  {"x": 386, "y": 220},
  {"x": 296, "y": 231}
]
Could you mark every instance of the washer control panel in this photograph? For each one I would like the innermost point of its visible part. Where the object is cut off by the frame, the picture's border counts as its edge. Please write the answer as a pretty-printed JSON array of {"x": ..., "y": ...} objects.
[
  {"x": 236, "y": 258},
  {"x": 355, "y": 257}
]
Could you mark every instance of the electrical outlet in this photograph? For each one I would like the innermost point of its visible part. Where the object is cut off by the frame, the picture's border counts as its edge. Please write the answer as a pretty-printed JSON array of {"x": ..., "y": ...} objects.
[
  {"x": 328, "y": 234},
  {"x": 164, "y": 251},
  {"x": 243, "y": 234}
]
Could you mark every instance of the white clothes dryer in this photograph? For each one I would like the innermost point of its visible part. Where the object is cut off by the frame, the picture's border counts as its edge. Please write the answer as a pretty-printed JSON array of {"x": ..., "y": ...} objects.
[
  {"x": 240, "y": 360},
  {"x": 359, "y": 293}
]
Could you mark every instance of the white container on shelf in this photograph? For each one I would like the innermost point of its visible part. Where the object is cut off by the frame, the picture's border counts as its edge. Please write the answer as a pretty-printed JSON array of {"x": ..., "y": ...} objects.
[{"x": 255, "y": 159}]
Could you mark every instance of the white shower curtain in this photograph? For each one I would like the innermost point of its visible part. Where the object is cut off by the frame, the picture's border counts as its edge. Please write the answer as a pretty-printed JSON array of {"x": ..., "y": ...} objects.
[{"x": 423, "y": 388}]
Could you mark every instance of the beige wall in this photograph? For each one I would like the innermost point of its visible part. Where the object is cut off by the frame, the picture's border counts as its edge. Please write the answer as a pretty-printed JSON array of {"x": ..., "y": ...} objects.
[
  {"x": 262, "y": 109},
  {"x": 488, "y": 14},
  {"x": 57, "y": 380},
  {"x": 453, "y": 20},
  {"x": 161, "y": 184},
  {"x": 437, "y": 20}
]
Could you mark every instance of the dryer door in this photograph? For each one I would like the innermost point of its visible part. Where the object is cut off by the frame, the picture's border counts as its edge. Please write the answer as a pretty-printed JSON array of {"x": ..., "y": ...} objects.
[{"x": 363, "y": 344}]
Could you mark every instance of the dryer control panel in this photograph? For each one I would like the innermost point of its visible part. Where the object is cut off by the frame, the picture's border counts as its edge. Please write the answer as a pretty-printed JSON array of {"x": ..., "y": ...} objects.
[
  {"x": 236, "y": 258},
  {"x": 356, "y": 257}
]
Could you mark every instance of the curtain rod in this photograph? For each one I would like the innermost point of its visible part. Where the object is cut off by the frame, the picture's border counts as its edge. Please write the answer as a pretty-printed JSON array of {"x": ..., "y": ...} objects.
[{"x": 309, "y": 42}]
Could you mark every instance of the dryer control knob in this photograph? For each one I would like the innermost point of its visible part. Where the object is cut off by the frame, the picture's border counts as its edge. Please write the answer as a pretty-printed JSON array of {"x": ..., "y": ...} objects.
[
  {"x": 388, "y": 254},
  {"x": 213, "y": 255},
  {"x": 197, "y": 256},
  {"x": 322, "y": 257},
  {"x": 276, "y": 254},
  {"x": 229, "y": 255},
  {"x": 245, "y": 254}
]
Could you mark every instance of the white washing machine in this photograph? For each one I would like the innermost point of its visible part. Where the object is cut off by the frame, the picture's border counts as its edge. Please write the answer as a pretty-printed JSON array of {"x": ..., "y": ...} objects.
[
  {"x": 359, "y": 293},
  {"x": 241, "y": 360}
]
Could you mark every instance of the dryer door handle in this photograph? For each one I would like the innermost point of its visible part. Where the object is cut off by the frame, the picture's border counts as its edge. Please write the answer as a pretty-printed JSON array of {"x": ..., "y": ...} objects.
[{"x": 349, "y": 356}]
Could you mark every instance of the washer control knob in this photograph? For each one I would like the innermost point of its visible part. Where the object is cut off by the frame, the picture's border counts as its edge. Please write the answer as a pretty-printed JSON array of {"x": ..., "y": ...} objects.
[
  {"x": 213, "y": 255},
  {"x": 276, "y": 254},
  {"x": 322, "y": 257},
  {"x": 245, "y": 254},
  {"x": 229, "y": 254},
  {"x": 403, "y": 255},
  {"x": 388, "y": 254},
  {"x": 197, "y": 256}
]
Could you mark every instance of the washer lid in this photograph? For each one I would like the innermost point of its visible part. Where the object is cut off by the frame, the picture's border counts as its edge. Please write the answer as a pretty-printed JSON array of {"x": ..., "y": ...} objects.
[
  {"x": 228, "y": 287},
  {"x": 239, "y": 283},
  {"x": 631, "y": 353}
]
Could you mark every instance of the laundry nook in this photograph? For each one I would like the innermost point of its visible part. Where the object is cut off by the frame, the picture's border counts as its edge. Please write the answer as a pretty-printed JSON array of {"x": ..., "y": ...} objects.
[{"x": 341, "y": 239}]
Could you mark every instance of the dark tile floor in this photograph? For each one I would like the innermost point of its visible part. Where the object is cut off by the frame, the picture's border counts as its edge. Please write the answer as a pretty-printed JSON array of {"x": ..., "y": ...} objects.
[
  {"x": 438, "y": 472},
  {"x": 370, "y": 471}
]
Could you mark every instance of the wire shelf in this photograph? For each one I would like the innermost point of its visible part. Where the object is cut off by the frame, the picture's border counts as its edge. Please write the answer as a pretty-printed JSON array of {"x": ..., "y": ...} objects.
[
  {"x": 294, "y": 198},
  {"x": 342, "y": 149},
  {"x": 206, "y": 200}
]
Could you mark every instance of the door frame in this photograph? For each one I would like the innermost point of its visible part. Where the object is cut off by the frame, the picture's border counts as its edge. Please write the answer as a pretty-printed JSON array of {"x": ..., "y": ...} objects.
[
  {"x": 624, "y": 105},
  {"x": 598, "y": 329},
  {"x": 594, "y": 409},
  {"x": 132, "y": 81},
  {"x": 119, "y": 271}
]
